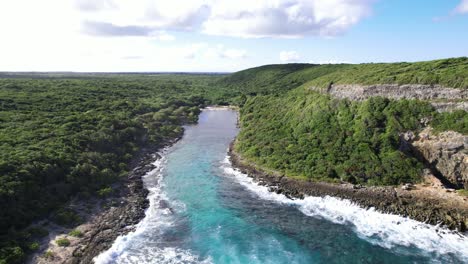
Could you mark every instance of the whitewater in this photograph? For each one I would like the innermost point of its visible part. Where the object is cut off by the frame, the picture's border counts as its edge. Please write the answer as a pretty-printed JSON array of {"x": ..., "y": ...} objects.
[{"x": 202, "y": 210}]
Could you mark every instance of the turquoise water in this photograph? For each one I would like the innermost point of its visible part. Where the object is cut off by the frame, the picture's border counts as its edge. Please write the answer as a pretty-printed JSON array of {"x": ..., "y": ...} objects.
[{"x": 203, "y": 211}]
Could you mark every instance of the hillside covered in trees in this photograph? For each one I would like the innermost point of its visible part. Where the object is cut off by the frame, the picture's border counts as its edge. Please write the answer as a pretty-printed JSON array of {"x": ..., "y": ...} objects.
[
  {"x": 63, "y": 135},
  {"x": 274, "y": 79},
  {"x": 309, "y": 135},
  {"x": 303, "y": 133}
]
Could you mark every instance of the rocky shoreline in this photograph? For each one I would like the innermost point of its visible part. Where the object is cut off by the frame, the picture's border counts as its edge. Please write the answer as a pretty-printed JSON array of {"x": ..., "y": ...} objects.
[
  {"x": 118, "y": 220},
  {"x": 425, "y": 205},
  {"x": 110, "y": 218}
]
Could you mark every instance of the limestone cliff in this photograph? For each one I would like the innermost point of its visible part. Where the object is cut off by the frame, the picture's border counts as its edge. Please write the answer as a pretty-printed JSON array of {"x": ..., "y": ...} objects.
[
  {"x": 442, "y": 98},
  {"x": 446, "y": 154}
]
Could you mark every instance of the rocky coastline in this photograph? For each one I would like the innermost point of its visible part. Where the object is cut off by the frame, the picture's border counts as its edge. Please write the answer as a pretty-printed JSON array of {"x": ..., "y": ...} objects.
[
  {"x": 110, "y": 217},
  {"x": 429, "y": 205}
]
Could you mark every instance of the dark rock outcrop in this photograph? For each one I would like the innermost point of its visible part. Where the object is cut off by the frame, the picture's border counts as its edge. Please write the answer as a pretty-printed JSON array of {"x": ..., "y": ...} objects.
[
  {"x": 117, "y": 220},
  {"x": 118, "y": 214}
]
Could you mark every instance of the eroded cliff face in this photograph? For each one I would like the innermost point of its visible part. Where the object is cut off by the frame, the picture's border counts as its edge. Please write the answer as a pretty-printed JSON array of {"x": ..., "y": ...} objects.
[
  {"x": 442, "y": 98},
  {"x": 446, "y": 154}
]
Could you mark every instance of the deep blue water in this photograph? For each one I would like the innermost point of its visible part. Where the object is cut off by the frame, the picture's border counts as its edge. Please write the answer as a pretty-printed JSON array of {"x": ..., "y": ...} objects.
[{"x": 202, "y": 211}]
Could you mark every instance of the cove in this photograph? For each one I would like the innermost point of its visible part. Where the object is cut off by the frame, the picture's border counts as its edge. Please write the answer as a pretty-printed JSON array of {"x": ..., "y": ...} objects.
[{"x": 204, "y": 211}]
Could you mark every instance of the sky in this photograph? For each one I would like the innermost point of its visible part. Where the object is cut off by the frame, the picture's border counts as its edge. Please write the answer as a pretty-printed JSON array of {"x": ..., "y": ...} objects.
[{"x": 224, "y": 35}]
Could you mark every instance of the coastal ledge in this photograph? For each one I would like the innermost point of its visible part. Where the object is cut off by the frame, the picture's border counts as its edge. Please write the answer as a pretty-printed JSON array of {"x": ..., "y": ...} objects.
[
  {"x": 443, "y": 99},
  {"x": 429, "y": 204}
]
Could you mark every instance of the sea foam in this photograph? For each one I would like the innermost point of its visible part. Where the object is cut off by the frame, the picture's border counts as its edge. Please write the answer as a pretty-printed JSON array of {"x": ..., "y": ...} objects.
[
  {"x": 156, "y": 220},
  {"x": 386, "y": 230}
]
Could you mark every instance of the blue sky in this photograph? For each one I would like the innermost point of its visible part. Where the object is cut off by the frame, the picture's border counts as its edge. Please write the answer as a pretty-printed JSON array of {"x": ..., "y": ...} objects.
[{"x": 222, "y": 35}]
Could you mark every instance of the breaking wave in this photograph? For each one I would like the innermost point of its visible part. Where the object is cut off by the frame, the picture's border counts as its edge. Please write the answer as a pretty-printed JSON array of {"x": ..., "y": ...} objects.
[
  {"x": 386, "y": 230},
  {"x": 134, "y": 246}
]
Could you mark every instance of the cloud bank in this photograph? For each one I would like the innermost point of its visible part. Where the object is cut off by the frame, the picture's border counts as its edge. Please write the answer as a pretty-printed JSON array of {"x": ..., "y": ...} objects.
[
  {"x": 241, "y": 18},
  {"x": 132, "y": 35}
]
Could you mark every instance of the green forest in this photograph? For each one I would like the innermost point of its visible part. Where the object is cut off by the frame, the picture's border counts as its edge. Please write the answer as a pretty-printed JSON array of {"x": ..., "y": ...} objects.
[
  {"x": 311, "y": 136},
  {"x": 299, "y": 132},
  {"x": 69, "y": 135},
  {"x": 62, "y": 137}
]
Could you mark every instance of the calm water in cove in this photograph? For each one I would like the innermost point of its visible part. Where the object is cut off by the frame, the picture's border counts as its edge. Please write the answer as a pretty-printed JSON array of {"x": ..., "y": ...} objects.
[{"x": 204, "y": 211}]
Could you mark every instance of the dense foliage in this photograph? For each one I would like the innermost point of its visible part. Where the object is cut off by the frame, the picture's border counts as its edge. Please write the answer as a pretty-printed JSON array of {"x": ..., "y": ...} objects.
[
  {"x": 275, "y": 79},
  {"x": 265, "y": 79},
  {"x": 448, "y": 72},
  {"x": 309, "y": 135},
  {"x": 62, "y": 137},
  {"x": 280, "y": 78},
  {"x": 456, "y": 120}
]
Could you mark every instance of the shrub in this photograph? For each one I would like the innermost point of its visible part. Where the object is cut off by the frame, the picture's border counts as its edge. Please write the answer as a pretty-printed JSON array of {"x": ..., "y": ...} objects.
[
  {"x": 456, "y": 120},
  {"x": 76, "y": 233},
  {"x": 105, "y": 192},
  {"x": 34, "y": 246},
  {"x": 11, "y": 255},
  {"x": 63, "y": 242},
  {"x": 66, "y": 217},
  {"x": 49, "y": 254}
]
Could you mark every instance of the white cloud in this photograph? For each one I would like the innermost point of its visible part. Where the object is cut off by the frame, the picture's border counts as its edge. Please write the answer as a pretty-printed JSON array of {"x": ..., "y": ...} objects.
[
  {"x": 94, "y": 5},
  {"x": 137, "y": 17},
  {"x": 288, "y": 18},
  {"x": 462, "y": 8},
  {"x": 240, "y": 18},
  {"x": 162, "y": 35},
  {"x": 289, "y": 56},
  {"x": 124, "y": 35}
]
